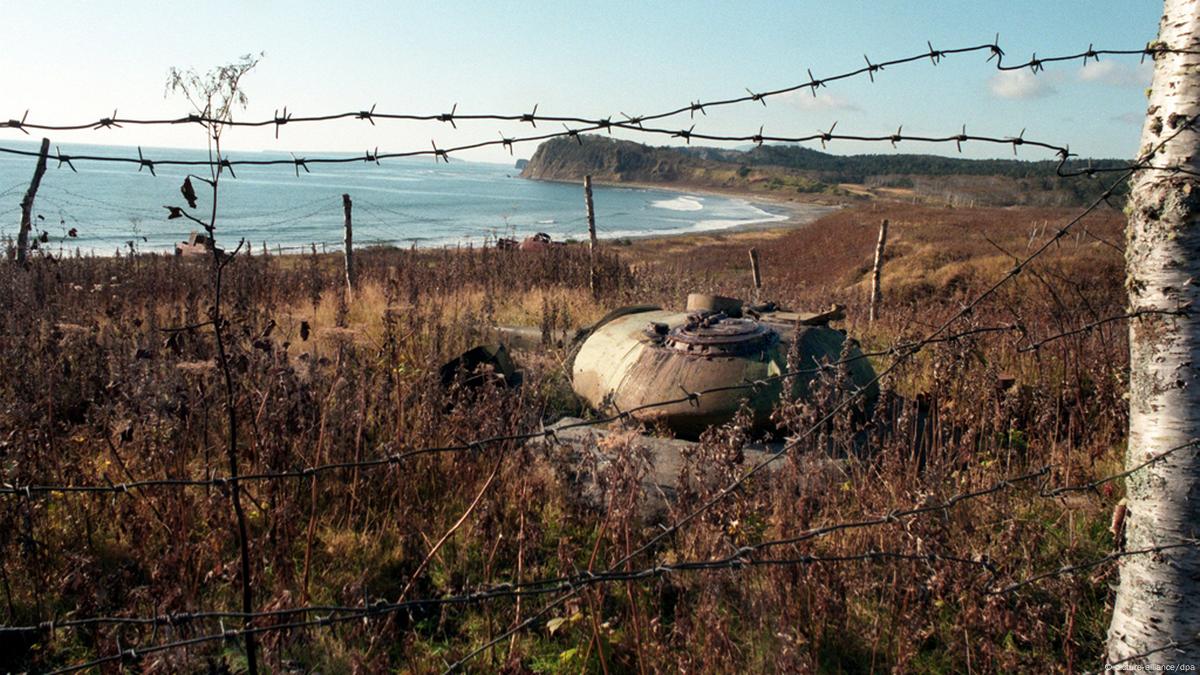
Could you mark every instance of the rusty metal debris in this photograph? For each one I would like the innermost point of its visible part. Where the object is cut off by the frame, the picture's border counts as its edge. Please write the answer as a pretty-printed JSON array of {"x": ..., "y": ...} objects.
[
  {"x": 196, "y": 244},
  {"x": 481, "y": 364}
]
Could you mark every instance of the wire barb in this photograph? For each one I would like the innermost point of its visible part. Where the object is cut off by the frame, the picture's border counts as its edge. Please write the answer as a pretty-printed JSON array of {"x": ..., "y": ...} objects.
[
  {"x": 871, "y": 68},
  {"x": 20, "y": 124},
  {"x": 760, "y": 98},
  {"x": 64, "y": 159},
  {"x": 299, "y": 163},
  {"x": 814, "y": 83},
  {"x": 281, "y": 120},
  {"x": 934, "y": 55},
  {"x": 449, "y": 117},
  {"x": 531, "y": 117},
  {"x": 438, "y": 153},
  {"x": 368, "y": 115},
  {"x": 108, "y": 122},
  {"x": 997, "y": 52},
  {"x": 144, "y": 163},
  {"x": 1018, "y": 140}
]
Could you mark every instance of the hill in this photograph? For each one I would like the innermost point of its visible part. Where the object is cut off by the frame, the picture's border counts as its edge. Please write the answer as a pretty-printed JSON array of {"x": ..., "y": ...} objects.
[{"x": 801, "y": 173}]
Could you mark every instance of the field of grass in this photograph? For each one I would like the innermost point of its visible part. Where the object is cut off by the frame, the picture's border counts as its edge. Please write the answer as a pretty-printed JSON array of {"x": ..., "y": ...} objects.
[{"x": 102, "y": 387}]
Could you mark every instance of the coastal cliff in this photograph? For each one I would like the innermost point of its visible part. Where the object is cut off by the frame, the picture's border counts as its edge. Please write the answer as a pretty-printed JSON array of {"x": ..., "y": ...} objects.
[
  {"x": 798, "y": 173},
  {"x": 608, "y": 160}
]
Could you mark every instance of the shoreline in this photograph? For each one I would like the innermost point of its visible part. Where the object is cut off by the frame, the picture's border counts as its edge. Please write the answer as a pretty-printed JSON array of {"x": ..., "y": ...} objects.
[
  {"x": 787, "y": 215},
  {"x": 798, "y": 213}
]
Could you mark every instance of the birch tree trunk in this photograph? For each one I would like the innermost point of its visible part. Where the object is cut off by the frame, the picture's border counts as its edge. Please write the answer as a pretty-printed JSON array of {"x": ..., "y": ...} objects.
[{"x": 1156, "y": 618}]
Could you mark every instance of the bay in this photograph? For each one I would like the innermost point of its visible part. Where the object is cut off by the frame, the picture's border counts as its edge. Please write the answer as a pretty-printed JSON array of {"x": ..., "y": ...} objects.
[{"x": 401, "y": 202}]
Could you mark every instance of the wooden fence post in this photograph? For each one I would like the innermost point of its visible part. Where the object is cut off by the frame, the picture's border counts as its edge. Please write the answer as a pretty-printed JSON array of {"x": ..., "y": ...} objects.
[
  {"x": 876, "y": 292},
  {"x": 591, "y": 219},
  {"x": 347, "y": 206},
  {"x": 27, "y": 202},
  {"x": 755, "y": 272}
]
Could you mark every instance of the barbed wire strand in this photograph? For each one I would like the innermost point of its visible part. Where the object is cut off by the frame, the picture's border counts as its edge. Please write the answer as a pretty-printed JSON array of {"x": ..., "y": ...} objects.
[
  {"x": 1110, "y": 666},
  {"x": 179, "y": 618},
  {"x": 1034, "y": 64},
  {"x": 475, "y": 445},
  {"x": 741, "y": 558},
  {"x": 633, "y": 124},
  {"x": 472, "y": 446}
]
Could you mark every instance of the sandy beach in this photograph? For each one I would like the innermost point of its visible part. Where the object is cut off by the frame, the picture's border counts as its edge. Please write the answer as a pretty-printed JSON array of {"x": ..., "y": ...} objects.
[{"x": 795, "y": 212}]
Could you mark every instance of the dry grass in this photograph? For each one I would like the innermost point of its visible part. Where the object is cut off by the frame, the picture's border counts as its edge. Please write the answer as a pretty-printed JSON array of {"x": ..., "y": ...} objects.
[{"x": 103, "y": 394}]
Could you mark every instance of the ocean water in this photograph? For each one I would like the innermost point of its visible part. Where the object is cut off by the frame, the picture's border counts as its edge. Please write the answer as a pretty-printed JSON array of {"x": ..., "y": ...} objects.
[{"x": 401, "y": 202}]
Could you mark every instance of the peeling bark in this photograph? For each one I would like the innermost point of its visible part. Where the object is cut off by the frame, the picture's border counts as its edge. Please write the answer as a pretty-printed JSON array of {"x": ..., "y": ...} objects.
[{"x": 1158, "y": 601}]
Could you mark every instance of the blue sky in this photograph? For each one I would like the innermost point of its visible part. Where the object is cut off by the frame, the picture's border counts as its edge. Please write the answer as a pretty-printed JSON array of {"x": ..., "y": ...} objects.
[{"x": 73, "y": 61}]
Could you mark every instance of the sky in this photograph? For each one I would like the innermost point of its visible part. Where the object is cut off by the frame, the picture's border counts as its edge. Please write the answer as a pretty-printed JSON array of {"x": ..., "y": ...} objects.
[{"x": 73, "y": 61}]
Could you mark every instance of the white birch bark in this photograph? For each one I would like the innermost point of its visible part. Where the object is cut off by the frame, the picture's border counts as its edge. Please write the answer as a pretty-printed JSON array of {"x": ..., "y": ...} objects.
[{"x": 1158, "y": 601}]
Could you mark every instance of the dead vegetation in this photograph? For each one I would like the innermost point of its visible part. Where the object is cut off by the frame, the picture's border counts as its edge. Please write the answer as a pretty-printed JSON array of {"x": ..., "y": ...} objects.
[{"x": 110, "y": 381}]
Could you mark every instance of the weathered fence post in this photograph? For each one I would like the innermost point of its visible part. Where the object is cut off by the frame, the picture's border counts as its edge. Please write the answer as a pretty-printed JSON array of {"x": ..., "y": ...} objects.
[
  {"x": 755, "y": 272},
  {"x": 27, "y": 202},
  {"x": 1156, "y": 612},
  {"x": 591, "y": 219},
  {"x": 876, "y": 291},
  {"x": 347, "y": 206}
]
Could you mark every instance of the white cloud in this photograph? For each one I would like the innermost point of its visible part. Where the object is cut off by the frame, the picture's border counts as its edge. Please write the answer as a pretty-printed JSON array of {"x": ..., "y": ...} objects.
[
  {"x": 1117, "y": 74},
  {"x": 1020, "y": 84},
  {"x": 804, "y": 100}
]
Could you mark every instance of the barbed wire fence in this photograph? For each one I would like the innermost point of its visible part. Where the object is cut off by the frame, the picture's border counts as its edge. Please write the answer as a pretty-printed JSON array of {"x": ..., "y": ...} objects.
[
  {"x": 635, "y": 124},
  {"x": 564, "y": 587}
]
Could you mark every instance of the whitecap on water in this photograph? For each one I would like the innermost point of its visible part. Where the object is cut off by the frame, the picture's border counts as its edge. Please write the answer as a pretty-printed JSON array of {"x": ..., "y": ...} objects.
[{"x": 685, "y": 203}]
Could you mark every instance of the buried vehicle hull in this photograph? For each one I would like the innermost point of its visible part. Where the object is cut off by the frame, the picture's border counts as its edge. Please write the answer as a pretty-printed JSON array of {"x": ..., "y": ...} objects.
[{"x": 649, "y": 355}]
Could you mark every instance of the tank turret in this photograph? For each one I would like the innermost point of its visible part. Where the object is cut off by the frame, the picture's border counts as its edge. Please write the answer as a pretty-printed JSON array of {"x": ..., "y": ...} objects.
[{"x": 641, "y": 355}]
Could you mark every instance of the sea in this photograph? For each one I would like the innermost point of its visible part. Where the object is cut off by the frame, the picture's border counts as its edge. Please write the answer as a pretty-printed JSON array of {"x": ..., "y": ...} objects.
[{"x": 101, "y": 208}]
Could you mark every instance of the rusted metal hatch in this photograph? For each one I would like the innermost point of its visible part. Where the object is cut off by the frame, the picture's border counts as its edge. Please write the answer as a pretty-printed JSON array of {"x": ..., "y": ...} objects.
[{"x": 714, "y": 333}]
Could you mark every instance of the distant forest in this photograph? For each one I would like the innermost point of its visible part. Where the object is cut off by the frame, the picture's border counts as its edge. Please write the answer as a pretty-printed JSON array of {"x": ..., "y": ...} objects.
[{"x": 858, "y": 168}]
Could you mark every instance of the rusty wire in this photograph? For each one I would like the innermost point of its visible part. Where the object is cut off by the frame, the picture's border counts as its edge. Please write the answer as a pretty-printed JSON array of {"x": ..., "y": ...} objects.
[
  {"x": 1110, "y": 666},
  {"x": 334, "y": 615},
  {"x": 743, "y": 557},
  {"x": 1068, "y": 570}
]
